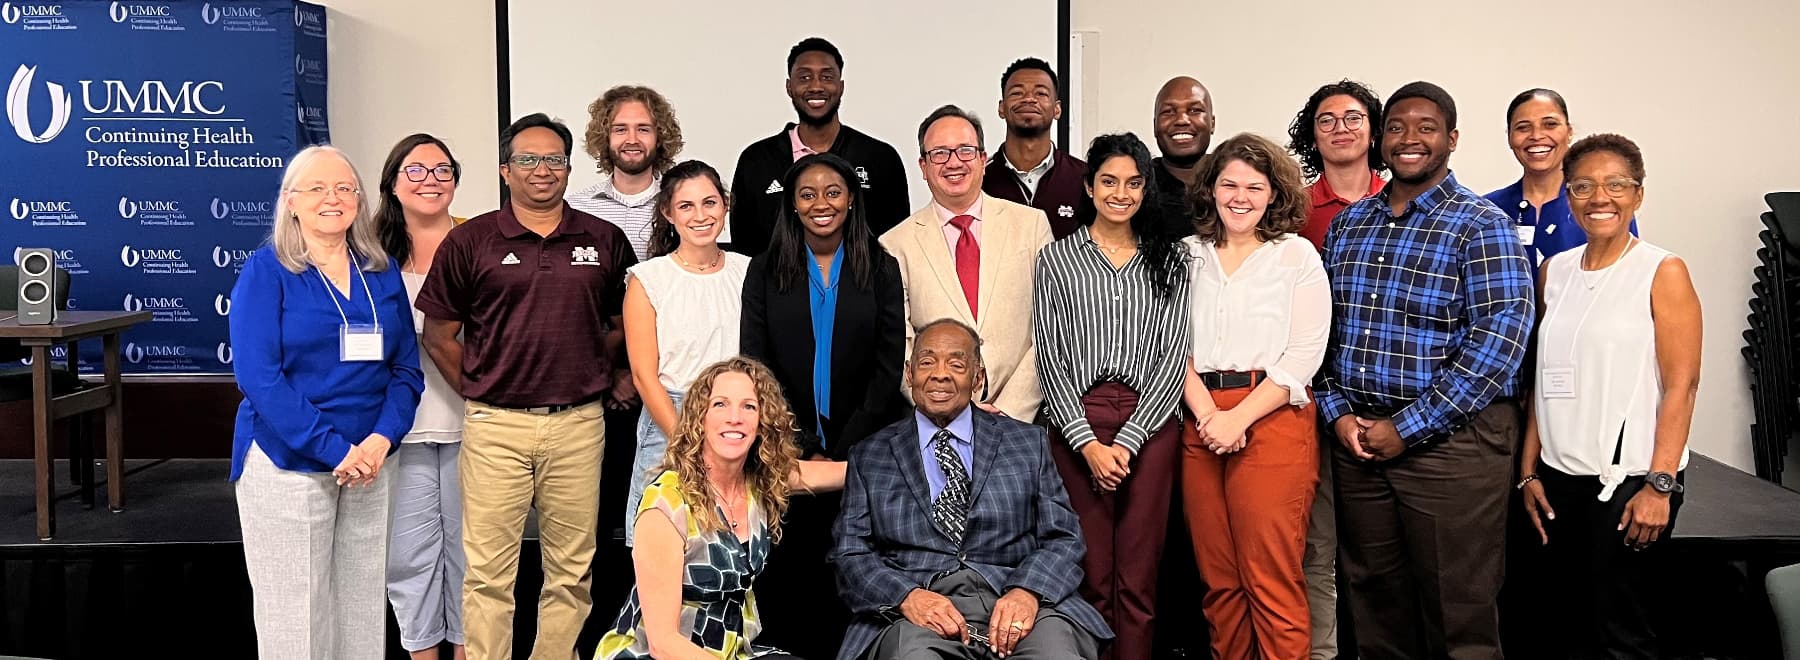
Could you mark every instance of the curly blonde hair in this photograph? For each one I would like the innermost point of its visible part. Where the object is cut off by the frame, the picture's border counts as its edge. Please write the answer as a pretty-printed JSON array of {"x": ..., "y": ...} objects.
[
  {"x": 1288, "y": 205},
  {"x": 600, "y": 119},
  {"x": 773, "y": 457}
]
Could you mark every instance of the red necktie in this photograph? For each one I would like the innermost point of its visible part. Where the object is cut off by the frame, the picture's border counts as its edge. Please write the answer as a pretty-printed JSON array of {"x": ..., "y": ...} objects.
[{"x": 968, "y": 261}]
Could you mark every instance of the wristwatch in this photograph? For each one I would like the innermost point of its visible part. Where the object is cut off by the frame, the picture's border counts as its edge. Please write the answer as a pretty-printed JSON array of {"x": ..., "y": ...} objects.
[{"x": 1663, "y": 482}]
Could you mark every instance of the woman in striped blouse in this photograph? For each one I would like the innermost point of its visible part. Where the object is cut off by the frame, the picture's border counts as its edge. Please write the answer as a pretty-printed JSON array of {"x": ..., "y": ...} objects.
[
  {"x": 1110, "y": 324},
  {"x": 1261, "y": 311}
]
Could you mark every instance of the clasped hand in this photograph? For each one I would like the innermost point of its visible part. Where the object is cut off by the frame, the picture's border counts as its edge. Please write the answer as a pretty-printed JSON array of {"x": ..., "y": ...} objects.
[
  {"x": 1223, "y": 431},
  {"x": 364, "y": 462},
  {"x": 1014, "y": 617}
]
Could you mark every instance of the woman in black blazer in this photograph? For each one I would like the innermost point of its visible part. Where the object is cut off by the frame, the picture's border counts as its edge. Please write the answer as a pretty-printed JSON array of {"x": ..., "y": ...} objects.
[{"x": 822, "y": 256}]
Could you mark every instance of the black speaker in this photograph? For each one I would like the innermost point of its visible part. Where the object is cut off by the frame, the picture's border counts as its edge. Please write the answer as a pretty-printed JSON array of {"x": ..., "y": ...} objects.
[{"x": 37, "y": 286}]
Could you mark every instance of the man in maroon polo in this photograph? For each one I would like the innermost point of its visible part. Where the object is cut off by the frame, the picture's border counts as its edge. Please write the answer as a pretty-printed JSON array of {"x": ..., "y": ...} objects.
[
  {"x": 535, "y": 289},
  {"x": 1029, "y": 169}
]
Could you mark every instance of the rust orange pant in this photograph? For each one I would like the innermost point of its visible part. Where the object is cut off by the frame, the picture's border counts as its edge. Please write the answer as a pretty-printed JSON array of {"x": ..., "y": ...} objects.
[{"x": 1247, "y": 513}]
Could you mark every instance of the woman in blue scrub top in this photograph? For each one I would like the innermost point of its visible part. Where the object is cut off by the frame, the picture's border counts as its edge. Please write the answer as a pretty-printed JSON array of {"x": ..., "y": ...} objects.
[{"x": 1539, "y": 133}]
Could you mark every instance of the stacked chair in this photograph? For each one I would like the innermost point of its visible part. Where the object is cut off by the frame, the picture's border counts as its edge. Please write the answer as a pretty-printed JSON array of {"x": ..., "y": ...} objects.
[{"x": 1773, "y": 340}]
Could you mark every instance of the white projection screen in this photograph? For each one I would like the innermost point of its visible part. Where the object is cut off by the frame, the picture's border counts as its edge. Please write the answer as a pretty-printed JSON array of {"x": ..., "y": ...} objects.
[{"x": 722, "y": 64}]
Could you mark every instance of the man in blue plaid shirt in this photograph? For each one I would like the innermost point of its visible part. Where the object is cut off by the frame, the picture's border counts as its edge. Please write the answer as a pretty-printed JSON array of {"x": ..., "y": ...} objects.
[{"x": 1432, "y": 306}]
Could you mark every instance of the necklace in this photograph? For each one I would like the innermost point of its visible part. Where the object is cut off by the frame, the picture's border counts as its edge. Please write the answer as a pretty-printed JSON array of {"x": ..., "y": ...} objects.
[
  {"x": 1596, "y": 277},
  {"x": 717, "y": 257},
  {"x": 730, "y": 505}
]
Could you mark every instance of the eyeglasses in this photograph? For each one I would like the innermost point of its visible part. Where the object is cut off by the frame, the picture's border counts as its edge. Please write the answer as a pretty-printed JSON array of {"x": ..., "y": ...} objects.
[
  {"x": 342, "y": 190},
  {"x": 941, "y": 155},
  {"x": 416, "y": 173},
  {"x": 1615, "y": 188},
  {"x": 1351, "y": 121},
  {"x": 530, "y": 162}
]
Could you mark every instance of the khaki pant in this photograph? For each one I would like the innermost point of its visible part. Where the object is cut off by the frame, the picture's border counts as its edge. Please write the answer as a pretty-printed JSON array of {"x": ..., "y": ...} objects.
[
  {"x": 511, "y": 462},
  {"x": 1320, "y": 562}
]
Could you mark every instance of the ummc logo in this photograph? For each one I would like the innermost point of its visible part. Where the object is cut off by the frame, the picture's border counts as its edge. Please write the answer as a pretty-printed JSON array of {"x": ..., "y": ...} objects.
[
  {"x": 61, "y": 255},
  {"x": 136, "y": 353},
  {"x": 212, "y": 14},
  {"x": 120, "y": 12},
  {"x": 222, "y": 305},
  {"x": 223, "y": 353},
  {"x": 18, "y": 107},
  {"x": 129, "y": 209},
  {"x": 151, "y": 97},
  {"x": 154, "y": 304},
  {"x": 58, "y": 352},
  {"x": 303, "y": 18},
  {"x": 224, "y": 257},
  {"x": 13, "y": 14},
  {"x": 132, "y": 257},
  {"x": 22, "y": 209}
]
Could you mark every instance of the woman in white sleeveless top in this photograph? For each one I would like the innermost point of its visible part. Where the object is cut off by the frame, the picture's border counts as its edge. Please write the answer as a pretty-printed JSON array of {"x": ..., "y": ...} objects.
[
  {"x": 1618, "y": 363},
  {"x": 425, "y": 561},
  {"x": 681, "y": 310}
]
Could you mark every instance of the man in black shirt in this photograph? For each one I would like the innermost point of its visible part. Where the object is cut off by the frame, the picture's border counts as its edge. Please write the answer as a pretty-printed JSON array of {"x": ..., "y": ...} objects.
[
  {"x": 1184, "y": 127},
  {"x": 816, "y": 87}
]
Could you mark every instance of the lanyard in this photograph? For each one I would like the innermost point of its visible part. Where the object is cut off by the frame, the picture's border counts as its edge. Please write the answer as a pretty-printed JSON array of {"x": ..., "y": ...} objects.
[{"x": 331, "y": 291}]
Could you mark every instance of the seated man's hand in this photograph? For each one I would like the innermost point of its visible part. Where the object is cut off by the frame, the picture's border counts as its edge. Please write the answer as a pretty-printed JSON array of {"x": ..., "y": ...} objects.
[
  {"x": 1015, "y": 614},
  {"x": 933, "y": 612}
]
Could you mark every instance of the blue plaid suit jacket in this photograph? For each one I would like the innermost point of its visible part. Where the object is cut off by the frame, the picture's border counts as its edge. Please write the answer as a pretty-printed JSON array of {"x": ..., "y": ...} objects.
[{"x": 1021, "y": 531}]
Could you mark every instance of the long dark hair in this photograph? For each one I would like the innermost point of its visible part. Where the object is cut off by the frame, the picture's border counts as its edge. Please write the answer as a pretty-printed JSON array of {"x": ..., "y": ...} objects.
[
  {"x": 390, "y": 217},
  {"x": 1160, "y": 251},
  {"x": 787, "y": 244},
  {"x": 663, "y": 237}
]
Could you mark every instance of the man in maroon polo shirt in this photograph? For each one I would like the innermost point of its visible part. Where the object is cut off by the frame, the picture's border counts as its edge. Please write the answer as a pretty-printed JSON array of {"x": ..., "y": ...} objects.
[
  {"x": 1029, "y": 169},
  {"x": 535, "y": 289},
  {"x": 1331, "y": 136}
]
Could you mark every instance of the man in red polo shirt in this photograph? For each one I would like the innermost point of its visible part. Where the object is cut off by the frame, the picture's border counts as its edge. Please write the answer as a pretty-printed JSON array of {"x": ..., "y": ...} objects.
[
  {"x": 1331, "y": 136},
  {"x": 535, "y": 289}
]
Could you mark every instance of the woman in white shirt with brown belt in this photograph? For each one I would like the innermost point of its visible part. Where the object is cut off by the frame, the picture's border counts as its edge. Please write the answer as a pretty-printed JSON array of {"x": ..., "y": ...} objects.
[
  {"x": 1261, "y": 311},
  {"x": 1618, "y": 365}
]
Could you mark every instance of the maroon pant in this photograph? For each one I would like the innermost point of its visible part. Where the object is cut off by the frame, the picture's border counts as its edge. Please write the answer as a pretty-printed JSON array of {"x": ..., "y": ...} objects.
[{"x": 1124, "y": 529}]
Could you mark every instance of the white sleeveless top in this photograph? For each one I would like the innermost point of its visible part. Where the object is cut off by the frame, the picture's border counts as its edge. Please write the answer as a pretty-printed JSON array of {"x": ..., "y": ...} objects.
[
  {"x": 697, "y": 315},
  {"x": 1597, "y": 345},
  {"x": 440, "y": 408}
]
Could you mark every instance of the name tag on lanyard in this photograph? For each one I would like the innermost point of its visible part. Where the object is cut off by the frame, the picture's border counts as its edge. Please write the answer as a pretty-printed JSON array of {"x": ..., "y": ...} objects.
[
  {"x": 1557, "y": 382},
  {"x": 360, "y": 343}
]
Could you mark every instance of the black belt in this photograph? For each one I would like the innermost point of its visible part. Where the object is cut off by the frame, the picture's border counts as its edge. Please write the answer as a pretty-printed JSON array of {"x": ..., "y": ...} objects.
[
  {"x": 546, "y": 410},
  {"x": 1231, "y": 380}
]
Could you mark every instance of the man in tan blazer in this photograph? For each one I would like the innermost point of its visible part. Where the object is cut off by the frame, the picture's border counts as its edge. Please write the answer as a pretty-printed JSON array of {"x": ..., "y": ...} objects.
[{"x": 969, "y": 257}]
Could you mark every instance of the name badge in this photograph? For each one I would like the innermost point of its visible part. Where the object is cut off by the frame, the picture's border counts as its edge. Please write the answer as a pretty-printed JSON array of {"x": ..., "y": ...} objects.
[
  {"x": 1526, "y": 233},
  {"x": 359, "y": 343},
  {"x": 1557, "y": 382}
]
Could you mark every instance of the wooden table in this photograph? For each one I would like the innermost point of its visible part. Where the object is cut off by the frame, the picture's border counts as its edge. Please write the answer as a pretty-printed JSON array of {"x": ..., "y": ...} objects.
[{"x": 69, "y": 328}]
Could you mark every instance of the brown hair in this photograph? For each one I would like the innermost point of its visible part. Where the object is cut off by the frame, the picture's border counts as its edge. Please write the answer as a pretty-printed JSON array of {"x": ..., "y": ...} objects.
[
  {"x": 600, "y": 119},
  {"x": 773, "y": 456},
  {"x": 1287, "y": 209}
]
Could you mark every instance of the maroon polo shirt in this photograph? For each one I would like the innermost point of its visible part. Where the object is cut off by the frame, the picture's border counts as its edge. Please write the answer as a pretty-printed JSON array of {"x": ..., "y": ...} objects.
[
  {"x": 1326, "y": 204},
  {"x": 1058, "y": 194},
  {"x": 535, "y": 309}
]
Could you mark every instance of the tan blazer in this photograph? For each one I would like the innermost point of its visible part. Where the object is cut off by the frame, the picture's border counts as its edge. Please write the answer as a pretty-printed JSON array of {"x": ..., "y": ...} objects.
[{"x": 1011, "y": 235}]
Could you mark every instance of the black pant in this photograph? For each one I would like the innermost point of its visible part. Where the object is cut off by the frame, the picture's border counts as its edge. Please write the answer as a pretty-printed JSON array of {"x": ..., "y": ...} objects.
[
  {"x": 796, "y": 594},
  {"x": 1599, "y": 587},
  {"x": 1420, "y": 542}
]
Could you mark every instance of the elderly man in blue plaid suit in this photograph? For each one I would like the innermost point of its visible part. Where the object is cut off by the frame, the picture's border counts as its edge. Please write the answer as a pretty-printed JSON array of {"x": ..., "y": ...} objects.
[{"x": 956, "y": 538}]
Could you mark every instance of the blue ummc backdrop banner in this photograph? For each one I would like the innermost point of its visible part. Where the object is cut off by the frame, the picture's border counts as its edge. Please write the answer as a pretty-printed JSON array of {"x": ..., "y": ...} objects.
[{"x": 145, "y": 143}]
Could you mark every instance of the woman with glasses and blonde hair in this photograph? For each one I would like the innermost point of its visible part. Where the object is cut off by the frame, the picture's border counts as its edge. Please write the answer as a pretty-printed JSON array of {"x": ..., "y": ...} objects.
[
  {"x": 425, "y": 553},
  {"x": 328, "y": 363},
  {"x": 1618, "y": 365},
  {"x": 708, "y": 520}
]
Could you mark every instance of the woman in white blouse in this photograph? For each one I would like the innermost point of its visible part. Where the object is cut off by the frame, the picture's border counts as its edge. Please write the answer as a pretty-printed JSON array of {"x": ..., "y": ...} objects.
[
  {"x": 1261, "y": 310},
  {"x": 681, "y": 310},
  {"x": 1618, "y": 364}
]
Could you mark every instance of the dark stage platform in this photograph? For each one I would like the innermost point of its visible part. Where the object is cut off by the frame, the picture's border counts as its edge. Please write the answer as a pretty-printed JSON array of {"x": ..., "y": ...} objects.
[{"x": 167, "y": 573}]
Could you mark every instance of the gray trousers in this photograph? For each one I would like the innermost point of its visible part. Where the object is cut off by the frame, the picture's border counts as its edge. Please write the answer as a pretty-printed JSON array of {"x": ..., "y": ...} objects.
[
  {"x": 316, "y": 556},
  {"x": 425, "y": 558},
  {"x": 1320, "y": 561},
  {"x": 1055, "y": 637}
]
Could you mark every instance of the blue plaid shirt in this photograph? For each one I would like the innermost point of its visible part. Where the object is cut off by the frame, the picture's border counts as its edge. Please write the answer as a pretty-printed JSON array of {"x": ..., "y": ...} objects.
[{"x": 1431, "y": 310}]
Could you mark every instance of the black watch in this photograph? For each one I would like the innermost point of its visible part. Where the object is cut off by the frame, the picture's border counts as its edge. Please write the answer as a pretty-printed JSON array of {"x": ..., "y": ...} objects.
[{"x": 1663, "y": 482}]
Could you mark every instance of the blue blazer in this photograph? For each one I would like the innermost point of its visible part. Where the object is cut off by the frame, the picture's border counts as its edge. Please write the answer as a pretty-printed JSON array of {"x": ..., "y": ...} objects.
[{"x": 1021, "y": 531}]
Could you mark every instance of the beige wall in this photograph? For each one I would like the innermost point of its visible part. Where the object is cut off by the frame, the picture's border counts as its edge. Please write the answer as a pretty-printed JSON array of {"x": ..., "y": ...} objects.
[
  {"x": 1708, "y": 90},
  {"x": 403, "y": 67}
]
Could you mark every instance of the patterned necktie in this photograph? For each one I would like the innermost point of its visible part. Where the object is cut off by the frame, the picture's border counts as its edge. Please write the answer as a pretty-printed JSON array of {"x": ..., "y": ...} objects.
[
  {"x": 968, "y": 261},
  {"x": 951, "y": 510}
]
